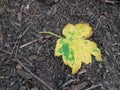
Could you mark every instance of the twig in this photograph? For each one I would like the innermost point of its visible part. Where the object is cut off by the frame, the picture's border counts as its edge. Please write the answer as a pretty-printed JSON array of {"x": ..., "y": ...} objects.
[
  {"x": 13, "y": 49},
  {"x": 43, "y": 82},
  {"x": 21, "y": 35},
  {"x": 26, "y": 20},
  {"x": 50, "y": 34},
  {"x": 112, "y": 1},
  {"x": 14, "y": 25},
  {"x": 92, "y": 87},
  {"x": 5, "y": 51},
  {"x": 18, "y": 40},
  {"x": 30, "y": 64},
  {"x": 24, "y": 45},
  {"x": 82, "y": 71},
  {"x": 97, "y": 24},
  {"x": 69, "y": 82},
  {"x": 39, "y": 49},
  {"x": 79, "y": 86}
]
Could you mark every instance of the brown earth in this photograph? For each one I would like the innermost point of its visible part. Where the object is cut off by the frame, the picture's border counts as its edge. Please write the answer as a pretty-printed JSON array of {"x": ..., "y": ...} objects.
[{"x": 23, "y": 67}]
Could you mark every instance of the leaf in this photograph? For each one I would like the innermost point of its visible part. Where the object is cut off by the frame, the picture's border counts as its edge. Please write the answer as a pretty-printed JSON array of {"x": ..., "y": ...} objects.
[
  {"x": 75, "y": 48},
  {"x": 78, "y": 31}
]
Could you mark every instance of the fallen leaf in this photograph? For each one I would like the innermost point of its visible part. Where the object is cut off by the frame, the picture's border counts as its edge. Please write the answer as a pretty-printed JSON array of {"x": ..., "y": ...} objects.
[{"x": 75, "y": 48}]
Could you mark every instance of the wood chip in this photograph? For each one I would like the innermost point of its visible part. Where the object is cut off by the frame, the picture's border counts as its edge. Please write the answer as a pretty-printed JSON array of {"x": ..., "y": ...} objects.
[
  {"x": 33, "y": 57},
  {"x": 19, "y": 17}
]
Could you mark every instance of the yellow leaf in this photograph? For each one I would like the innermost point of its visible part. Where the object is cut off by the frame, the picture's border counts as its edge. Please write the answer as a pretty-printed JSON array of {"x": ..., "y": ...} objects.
[
  {"x": 85, "y": 29},
  {"x": 74, "y": 48}
]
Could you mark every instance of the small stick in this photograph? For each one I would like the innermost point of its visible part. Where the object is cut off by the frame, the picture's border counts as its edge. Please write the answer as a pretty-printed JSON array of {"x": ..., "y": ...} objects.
[
  {"x": 112, "y": 1},
  {"x": 5, "y": 51},
  {"x": 21, "y": 35},
  {"x": 97, "y": 25},
  {"x": 50, "y": 34},
  {"x": 92, "y": 87},
  {"x": 18, "y": 40},
  {"x": 82, "y": 71},
  {"x": 43, "y": 82},
  {"x": 19, "y": 56},
  {"x": 29, "y": 71},
  {"x": 80, "y": 86},
  {"x": 24, "y": 45},
  {"x": 69, "y": 82},
  {"x": 14, "y": 25}
]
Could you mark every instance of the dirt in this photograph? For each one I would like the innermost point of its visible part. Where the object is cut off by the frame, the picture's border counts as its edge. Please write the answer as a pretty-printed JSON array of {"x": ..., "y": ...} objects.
[{"x": 27, "y": 57}]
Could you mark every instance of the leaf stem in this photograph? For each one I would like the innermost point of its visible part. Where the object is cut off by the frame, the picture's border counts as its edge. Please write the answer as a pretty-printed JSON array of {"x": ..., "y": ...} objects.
[{"x": 51, "y": 33}]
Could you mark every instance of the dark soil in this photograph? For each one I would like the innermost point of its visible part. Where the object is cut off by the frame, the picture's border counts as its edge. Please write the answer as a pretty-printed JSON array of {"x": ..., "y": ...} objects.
[{"x": 20, "y": 22}]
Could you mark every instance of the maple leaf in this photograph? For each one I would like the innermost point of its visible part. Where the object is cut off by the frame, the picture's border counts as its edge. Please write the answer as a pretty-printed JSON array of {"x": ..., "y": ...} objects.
[{"x": 75, "y": 48}]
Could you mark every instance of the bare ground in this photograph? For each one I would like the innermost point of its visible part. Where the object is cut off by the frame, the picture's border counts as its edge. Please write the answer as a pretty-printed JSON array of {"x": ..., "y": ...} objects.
[{"x": 26, "y": 57}]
